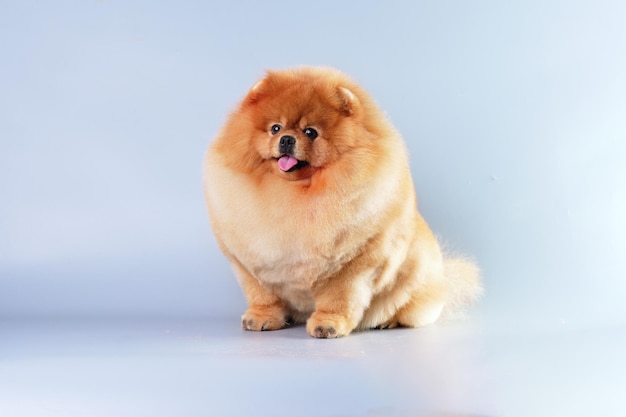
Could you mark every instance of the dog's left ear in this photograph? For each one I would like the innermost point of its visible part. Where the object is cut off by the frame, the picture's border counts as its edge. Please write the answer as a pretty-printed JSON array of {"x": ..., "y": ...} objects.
[{"x": 348, "y": 101}]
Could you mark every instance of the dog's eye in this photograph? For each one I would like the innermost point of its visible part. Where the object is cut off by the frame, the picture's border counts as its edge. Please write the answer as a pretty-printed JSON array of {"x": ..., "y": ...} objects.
[
  {"x": 310, "y": 133},
  {"x": 275, "y": 129}
]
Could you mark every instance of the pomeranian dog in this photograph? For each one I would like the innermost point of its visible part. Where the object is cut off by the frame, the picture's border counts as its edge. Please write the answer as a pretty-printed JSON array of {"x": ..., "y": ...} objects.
[{"x": 311, "y": 199}]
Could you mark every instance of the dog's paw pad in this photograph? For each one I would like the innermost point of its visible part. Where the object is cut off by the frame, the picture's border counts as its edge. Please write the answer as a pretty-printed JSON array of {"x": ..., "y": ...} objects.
[
  {"x": 327, "y": 326},
  {"x": 324, "y": 332}
]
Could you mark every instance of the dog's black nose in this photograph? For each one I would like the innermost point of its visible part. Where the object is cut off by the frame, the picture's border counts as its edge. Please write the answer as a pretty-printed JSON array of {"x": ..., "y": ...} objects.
[{"x": 286, "y": 144}]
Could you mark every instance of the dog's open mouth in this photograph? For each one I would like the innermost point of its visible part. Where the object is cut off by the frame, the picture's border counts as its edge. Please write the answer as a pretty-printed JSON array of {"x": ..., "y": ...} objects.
[{"x": 288, "y": 163}]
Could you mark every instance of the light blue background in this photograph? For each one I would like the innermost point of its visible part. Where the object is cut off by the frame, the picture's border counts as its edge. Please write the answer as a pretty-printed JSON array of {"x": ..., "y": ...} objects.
[{"x": 514, "y": 114}]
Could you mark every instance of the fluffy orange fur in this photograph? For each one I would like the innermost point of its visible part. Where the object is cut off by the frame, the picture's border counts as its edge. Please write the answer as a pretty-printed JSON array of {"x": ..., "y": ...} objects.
[{"x": 335, "y": 241}]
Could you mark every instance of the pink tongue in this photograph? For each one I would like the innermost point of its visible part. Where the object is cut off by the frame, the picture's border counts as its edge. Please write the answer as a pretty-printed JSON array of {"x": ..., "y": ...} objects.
[{"x": 285, "y": 163}]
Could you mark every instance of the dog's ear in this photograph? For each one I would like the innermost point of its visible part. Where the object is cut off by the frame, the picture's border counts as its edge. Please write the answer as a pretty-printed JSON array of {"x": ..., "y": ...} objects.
[
  {"x": 262, "y": 88},
  {"x": 256, "y": 92},
  {"x": 349, "y": 102}
]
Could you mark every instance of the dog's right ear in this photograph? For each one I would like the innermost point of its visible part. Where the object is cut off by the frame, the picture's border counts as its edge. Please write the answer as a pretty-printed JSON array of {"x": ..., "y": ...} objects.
[
  {"x": 257, "y": 86},
  {"x": 261, "y": 88},
  {"x": 255, "y": 93}
]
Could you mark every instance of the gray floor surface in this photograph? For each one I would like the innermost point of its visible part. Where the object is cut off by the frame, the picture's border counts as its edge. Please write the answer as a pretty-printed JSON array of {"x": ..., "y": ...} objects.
[{"x": 210, "y": 367}]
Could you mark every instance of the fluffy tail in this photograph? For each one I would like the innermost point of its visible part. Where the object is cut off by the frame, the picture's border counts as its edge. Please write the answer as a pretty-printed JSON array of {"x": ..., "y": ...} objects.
[{"x": 464, "y": 286}]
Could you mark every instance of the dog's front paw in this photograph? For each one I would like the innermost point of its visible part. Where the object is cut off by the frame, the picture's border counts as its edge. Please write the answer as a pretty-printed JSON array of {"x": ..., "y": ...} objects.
[
  {"x": 327, "y": 326},
  {"x": 263, "y": 318}
]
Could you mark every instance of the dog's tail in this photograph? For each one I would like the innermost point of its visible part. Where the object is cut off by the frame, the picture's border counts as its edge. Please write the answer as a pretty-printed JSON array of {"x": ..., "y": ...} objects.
[{"x": 463, "y": 284}]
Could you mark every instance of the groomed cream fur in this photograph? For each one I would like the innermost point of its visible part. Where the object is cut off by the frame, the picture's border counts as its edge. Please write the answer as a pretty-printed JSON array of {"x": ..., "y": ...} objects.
[{"x": 335, "y": 240}]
